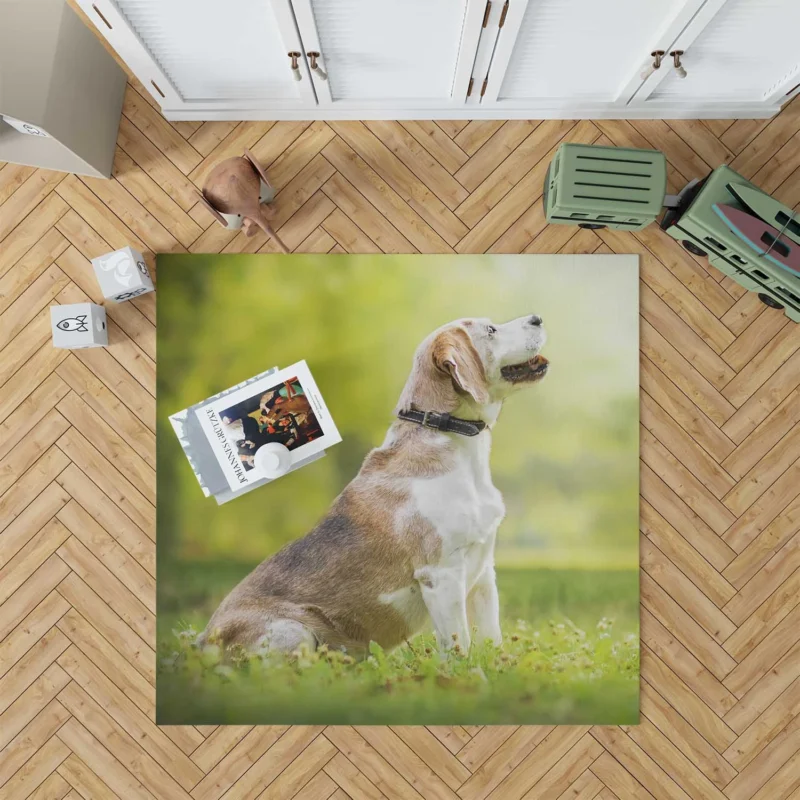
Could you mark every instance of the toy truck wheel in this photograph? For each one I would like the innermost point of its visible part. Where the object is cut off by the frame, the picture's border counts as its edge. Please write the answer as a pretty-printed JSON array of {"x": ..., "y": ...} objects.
[
  {"x": 693, "y": 248},
  {"x": 592, "y": 226},
  {"x": 769, "y": 301}
]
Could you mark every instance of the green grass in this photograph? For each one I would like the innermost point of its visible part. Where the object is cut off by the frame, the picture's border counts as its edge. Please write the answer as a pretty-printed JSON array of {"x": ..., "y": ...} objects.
[{"x": 570, "y": 656}]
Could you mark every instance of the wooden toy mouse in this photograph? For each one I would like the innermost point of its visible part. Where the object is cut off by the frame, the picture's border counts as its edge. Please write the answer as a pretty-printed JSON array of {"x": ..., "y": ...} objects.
[{"x": 234, "y": 189}]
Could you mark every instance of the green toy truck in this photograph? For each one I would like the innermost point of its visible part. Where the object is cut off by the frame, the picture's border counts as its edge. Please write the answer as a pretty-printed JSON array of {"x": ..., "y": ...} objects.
[
  {"x": 702, "y": 232},
  {"x": 605, "y": 187},
  {"x": 597, "y": 187}
]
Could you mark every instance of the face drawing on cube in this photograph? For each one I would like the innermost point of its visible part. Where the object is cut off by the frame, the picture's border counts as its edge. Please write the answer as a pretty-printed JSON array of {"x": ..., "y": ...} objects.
[
  {"x": 280, "y": 414},
  {"x": 122, "y": 275}
]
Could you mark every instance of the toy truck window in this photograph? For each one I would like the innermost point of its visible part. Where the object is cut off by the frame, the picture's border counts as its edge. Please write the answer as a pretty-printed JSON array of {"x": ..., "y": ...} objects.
[
  {"x": 781, "y": 248},
  {"x": 791, "y": 225},
  {"x": 714, "y": 243},
  {"x": 790, "y": 295}
]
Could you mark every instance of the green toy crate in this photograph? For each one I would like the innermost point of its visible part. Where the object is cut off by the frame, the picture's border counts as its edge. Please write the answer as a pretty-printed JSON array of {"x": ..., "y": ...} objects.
[
  {"x": 702, "y": 232},
  {"x": 597, "y": 187}
]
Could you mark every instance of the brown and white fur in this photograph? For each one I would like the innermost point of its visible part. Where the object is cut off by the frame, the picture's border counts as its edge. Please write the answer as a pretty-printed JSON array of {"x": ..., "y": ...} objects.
[{"x": 410, "y": 541}]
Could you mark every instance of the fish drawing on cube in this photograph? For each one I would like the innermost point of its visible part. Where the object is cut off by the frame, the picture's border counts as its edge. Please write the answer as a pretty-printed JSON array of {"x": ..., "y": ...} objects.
[
  {"x": 78, "y": 325},
  {"x": 122, "y": 275}
]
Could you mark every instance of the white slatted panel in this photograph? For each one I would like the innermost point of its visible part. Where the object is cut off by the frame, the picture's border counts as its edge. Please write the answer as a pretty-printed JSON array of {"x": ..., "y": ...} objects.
[
  {"x": 583, "y": 49},
  {"x": 389, "y": 49},
  {"x": 748, "y": 48},
  {"x": 214, "y": 49}
]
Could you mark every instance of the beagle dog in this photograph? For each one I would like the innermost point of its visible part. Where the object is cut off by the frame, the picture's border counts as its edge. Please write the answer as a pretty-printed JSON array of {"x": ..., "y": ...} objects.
[{"x": 410, "y": 541}]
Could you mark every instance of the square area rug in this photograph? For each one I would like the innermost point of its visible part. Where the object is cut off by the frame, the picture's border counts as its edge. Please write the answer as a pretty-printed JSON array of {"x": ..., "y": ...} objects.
[{"x": 398, "y": 585}]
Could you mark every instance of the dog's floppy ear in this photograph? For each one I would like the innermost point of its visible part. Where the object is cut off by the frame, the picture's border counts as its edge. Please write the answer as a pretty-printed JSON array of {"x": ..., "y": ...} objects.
[{"x": 454, "y": 353}]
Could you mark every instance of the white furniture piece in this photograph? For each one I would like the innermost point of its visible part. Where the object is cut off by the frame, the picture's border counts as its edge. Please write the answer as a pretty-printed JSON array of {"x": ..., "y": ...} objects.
[
  {"x": 439, "y": 59},
  {"x": 61, "y": 92}
]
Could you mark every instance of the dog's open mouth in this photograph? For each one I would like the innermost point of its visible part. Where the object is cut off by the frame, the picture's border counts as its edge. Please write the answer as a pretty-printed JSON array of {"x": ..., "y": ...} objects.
[{"x": 527, "y": 371}]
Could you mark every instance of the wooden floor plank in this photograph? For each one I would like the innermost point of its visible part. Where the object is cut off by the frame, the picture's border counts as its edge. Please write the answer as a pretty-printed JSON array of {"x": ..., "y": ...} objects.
[
  {"x": 685, "y": 737},
  {"x": 83, "y": 781},
  {"x": 412, "y": 208},
  {"x": 437, "y": 143},
  {"x": 682, "y": 555},
  {"x": 720, "y": 446},
  {"x": 159, "y": 131},
  {"x": 32, "y": 192}
]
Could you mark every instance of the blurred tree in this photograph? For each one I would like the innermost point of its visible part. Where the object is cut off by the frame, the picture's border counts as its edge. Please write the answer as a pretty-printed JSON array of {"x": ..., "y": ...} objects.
[{"x": 565, "y": 453}]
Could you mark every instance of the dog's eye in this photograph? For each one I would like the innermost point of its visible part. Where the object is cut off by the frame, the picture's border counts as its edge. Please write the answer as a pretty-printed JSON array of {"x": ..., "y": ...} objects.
[{"x": 491, "y": 330}]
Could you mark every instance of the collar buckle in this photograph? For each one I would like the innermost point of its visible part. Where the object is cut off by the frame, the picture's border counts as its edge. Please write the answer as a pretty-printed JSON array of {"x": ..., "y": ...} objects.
[
  {"x": 442, "y": 421},
  {"x": 439, "y": 421}
]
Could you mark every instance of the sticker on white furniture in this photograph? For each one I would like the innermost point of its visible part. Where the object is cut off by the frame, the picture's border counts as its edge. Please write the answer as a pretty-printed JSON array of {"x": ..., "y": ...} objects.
[{"x": 25, "y": 127}]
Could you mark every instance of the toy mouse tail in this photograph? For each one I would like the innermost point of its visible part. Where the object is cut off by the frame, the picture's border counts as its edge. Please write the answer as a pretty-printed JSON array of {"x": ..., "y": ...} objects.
[{"x": 270, "y": 231}]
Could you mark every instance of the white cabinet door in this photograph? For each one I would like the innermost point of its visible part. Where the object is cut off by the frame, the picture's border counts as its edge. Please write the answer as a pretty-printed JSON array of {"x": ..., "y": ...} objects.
[
  {"x": 206, "y": 54},
  {"x": 387, "y": 54},
  {"x": 578, "y": 54},
  {"x": 735, "y": 51}
]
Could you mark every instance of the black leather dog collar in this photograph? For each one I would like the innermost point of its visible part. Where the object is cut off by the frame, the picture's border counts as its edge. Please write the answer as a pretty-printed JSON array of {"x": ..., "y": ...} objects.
[{"x": 443, "y": 422}]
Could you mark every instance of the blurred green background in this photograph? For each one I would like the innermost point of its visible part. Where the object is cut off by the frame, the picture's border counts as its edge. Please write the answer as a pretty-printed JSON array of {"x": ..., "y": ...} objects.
[{"x": 564, "y": 455}]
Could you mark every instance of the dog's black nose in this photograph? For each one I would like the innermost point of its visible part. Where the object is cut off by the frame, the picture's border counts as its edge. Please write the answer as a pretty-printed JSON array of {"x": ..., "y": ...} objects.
[{"x": 535, "y": 320}]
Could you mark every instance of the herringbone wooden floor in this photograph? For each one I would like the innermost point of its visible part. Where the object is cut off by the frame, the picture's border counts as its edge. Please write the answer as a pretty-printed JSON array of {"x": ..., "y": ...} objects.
[{"x": 720, "y": 466}]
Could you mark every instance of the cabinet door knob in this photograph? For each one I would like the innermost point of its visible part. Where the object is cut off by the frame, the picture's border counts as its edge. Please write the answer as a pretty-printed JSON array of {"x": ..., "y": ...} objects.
[
  {"x": 657, "y": 55},
  {"x": 296, "y": 74},
  {"x": 676, "y": 60},
  {"x": 317, "y": 70}
]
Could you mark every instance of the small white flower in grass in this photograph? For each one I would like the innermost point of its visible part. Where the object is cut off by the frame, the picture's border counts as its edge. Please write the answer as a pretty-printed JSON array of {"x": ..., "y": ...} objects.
[
  {"x": 185, "y": 635},
  {"x": 211, "y": 655}
]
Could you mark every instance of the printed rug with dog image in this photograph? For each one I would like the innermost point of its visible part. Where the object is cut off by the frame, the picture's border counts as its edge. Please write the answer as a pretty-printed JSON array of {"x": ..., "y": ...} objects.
[{"x": 404, "y": 602}]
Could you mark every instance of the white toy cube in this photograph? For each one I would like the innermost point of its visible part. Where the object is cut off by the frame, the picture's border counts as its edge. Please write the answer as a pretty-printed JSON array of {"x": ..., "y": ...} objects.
[
  {"x": 122, "y": 275},
  {"x": 78, "y": 325}
]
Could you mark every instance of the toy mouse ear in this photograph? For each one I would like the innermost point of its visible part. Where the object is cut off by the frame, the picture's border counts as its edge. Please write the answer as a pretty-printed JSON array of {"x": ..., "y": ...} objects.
[
  {"x": 257, "y": 167},
  {"x": 214, "y": 213}
]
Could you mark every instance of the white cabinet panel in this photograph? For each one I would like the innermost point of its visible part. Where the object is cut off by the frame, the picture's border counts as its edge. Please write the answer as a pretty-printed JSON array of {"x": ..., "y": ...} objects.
[
  {"x": 390, "y": 52},
  {"x": 207, "y": 53},
  {"x": 417, "y": 59},
  {"x": 581, "y": 50},
  {"x": 747, "y": 52},
  {"x": 234, "y": 54}
]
